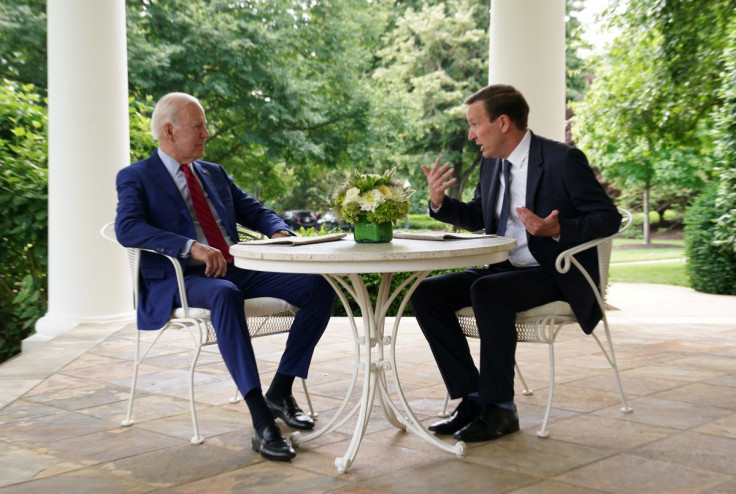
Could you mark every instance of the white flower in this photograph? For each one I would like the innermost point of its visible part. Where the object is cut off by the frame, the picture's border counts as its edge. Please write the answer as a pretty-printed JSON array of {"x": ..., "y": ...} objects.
[
  {"x": 352, "y": 194},
  {"x": 370, "y": 200}
]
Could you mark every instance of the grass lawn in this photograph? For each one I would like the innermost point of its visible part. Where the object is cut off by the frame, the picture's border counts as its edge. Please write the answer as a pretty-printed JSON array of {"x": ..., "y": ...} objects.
[{"x": 664, "y": 273}]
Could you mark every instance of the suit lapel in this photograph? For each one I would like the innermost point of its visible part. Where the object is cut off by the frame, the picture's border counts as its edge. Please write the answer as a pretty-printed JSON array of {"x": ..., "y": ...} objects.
[
  {"x": 166, "y": 183},
  {"x": 209, "y": 185},
  {"x": 536, "y": 169}
]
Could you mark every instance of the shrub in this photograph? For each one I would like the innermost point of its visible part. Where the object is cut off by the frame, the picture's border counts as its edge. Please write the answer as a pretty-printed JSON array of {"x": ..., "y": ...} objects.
[
  {"x": 711, "y": 266},
  {"x": 23, "y": 224}
]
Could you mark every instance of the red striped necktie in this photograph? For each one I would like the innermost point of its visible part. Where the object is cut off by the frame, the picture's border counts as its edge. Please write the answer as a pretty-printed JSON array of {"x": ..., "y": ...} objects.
[{"x": 207, "y": 222}]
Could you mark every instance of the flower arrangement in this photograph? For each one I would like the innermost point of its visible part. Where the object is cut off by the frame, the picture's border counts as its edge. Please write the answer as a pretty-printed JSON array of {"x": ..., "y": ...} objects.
[{"x": 380, "y": 198}]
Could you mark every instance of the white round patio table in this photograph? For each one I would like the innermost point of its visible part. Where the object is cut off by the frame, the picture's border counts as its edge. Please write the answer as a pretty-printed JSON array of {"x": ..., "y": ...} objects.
[{"x": 341, "y": 262}]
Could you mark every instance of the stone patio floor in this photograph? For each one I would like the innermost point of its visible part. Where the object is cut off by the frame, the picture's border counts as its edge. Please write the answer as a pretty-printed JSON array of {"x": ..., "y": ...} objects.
[{"x": 61, "y": 406}]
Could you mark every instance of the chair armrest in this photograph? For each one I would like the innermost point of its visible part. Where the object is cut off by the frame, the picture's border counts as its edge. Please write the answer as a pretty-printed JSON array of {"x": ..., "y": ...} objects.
[
  {"x": 179, "y": 279},
  {"x": 565, "y": 258}
]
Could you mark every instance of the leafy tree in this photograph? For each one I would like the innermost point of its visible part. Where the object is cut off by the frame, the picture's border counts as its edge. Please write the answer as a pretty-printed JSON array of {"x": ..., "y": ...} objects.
[
  {"x": 725, "y": 200},
  {"x": 141, "y": 140},
  {"x": 647, "y": 118},
  {"x": 23, "y": 200},
  {"x": 282, "y": 81},
  {"x": 431, "y": 61},
  {"x": 575, "y": 67},
  {"x": 23, "y": 41}
]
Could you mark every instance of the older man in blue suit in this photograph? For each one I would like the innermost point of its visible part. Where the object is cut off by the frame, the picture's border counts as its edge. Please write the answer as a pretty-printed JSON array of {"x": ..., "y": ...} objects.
[
  {"x": 542, "y": 193},
  {"x": 174, "y": 204}
]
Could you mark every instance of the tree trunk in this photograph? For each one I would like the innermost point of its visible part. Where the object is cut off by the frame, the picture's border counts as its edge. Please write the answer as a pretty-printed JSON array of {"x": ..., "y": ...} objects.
[{"x": 645, "y": 224}]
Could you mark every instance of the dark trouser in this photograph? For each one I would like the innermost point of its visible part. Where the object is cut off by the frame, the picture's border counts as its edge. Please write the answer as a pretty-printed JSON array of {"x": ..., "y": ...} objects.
[
  {"x": 496, "y": 294},
  {"x": 224, "y": 298}
]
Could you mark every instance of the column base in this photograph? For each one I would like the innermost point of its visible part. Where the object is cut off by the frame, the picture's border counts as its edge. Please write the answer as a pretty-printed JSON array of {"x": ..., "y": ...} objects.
[{"x": 49, "y": 327}]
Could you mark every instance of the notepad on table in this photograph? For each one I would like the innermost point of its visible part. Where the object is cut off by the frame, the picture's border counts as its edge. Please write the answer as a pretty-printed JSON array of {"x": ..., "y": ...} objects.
[
  {"x": 330, "y": 237},
  {"x": 440, "y": 235}
]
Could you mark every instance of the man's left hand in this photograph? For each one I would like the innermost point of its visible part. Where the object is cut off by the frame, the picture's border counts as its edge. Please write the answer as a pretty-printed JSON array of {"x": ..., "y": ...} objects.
[{"x": 540, "y": 227}]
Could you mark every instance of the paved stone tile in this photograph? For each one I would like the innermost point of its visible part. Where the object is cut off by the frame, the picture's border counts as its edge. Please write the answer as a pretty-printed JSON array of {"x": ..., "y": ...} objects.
[
  {"x": 703, "y": 451},
  {"x": 212, "y": 421},
  {"x": 178, "y": 465},
  {"x": 704, "y": 394},
  {"x": 666, "y": 413},
  {"x": 725, "y": 426},
  {"x": 450, "y": 476},
  {"x": 20, "y": 465},
  {"x": 82, "y": 395},
  {"x": 145, "y": 408},
  {"x": 24, "y": 410},
  {"x": 678, "y": 375},
  {"x": 87, "y": 481},
  {"x": 265, "y": 477},
  {"x": 554, "y": 487},
  {"x": 36, "y": 431},
  {"x": 625, "y": 474},
  {"x": 114, "y": 444},
  {"x": 526, "y": 453},
  {"x": 606, "y": 433}
]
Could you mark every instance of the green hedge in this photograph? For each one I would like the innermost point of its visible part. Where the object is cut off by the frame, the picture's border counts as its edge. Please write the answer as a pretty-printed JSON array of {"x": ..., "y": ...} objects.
[
  {"x": 23, "y": 224},
  {"x": 24, "y": 204},
  {"x": 711, "y": 267}
]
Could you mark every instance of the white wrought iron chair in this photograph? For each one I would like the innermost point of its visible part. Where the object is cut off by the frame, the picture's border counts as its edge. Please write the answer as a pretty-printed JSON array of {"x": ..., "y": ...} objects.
[
  {"x": 542, "y": 324},
  {"x": 264, "y": 316}
]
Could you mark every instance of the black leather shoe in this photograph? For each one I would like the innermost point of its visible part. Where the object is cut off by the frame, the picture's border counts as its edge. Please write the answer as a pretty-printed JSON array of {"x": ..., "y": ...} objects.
[
  {"x": 272, "y": 445},
  {"x": 492, "y": 423},
  {"x": 290, "y": 413},
  {"x": 465, "y": 412}
]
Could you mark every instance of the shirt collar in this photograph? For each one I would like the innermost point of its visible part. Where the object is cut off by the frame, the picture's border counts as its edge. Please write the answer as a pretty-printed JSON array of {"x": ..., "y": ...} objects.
[
  {"x": 170, "y": 163},
  {"x": 520, "y": 155}
]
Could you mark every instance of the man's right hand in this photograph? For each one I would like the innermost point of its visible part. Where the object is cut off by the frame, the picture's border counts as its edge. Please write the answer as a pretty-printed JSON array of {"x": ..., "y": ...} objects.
[
  {"x": 214, "y": 262},
  {"x": 438, "y": 180}
]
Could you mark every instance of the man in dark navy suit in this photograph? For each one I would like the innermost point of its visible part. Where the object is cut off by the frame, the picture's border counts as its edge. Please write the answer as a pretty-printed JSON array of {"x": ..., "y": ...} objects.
[
  {"x": 542, "y": 193},
  {"x": 174, "y": 204}
]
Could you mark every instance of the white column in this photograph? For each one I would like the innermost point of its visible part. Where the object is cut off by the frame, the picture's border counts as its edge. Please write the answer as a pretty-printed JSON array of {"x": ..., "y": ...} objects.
[
  {"x": 527, "y": 51},
  {"x": 88, "y": 142}
]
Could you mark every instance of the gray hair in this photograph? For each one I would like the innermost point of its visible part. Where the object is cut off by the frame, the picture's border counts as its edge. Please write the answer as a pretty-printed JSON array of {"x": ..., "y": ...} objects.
[{"x": 167, "y": 110}]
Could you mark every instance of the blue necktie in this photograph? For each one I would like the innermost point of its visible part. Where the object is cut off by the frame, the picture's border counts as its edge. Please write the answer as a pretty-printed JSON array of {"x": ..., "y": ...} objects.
[{"x": 505, "y": 206}]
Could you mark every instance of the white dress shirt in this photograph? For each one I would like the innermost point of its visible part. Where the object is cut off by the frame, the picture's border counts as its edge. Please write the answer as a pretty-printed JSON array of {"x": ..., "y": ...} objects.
[{"x": 519, "y": 159}]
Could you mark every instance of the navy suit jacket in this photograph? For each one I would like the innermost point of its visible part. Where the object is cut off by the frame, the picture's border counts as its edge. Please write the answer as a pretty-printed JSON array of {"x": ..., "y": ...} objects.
[
  {"x": 151, "y": 214},
  {"x": 558, "y": 177}
]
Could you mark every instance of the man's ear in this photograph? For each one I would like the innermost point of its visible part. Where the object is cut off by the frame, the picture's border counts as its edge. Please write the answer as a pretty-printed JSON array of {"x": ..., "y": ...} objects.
[{"x": 169, "y": 131}]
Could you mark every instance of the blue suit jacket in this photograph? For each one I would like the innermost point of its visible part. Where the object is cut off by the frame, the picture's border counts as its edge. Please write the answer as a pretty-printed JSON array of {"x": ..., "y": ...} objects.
[
  {"x": 151, "y": 214},
  {"x": 558, "y": 177}
]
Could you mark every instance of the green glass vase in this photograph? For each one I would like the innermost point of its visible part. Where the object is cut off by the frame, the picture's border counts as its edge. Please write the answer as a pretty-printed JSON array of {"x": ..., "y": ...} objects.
[{"x": 366, "y": 232}]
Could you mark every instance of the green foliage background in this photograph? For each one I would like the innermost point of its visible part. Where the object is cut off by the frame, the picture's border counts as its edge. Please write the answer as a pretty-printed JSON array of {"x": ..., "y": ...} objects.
[
  {"x": 23, "y": 224},
  {"x": 300, "y": 95},
  {"x": 711, "y": 266}
]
